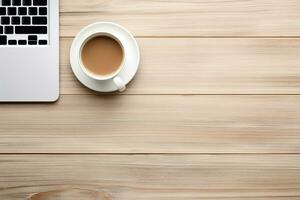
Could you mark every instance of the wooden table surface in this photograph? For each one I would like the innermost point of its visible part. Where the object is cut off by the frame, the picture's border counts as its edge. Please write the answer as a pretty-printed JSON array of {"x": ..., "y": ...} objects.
[{"x": 213, "y": 113}]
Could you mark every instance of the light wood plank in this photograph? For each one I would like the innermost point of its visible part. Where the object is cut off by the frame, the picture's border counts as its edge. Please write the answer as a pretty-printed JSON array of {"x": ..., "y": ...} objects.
[
  {"x": 186, "y": 17},
  {"x": 207, "y": 66},
  {"x": 143, "y": 177},
  {"x": 153, "y": 124}
]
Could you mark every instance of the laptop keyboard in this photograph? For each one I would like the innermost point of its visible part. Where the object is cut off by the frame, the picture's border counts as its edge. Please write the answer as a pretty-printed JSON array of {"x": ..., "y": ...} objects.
[{"x": 24, "y": 22}]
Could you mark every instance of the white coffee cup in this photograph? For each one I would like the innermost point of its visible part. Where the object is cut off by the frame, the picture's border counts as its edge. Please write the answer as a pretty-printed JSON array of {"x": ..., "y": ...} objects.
[
  {"x": 119, "y": 83},
  {"x": 119, "y": 78}
]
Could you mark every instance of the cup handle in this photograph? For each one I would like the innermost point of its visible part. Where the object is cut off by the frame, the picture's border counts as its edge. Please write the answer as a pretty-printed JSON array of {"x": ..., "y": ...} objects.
[{"x": 119, "y": 83}]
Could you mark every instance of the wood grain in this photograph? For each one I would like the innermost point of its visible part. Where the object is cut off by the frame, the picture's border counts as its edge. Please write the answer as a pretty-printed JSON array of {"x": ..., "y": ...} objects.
[
  {"x": 186, "y": 17},
  {"x": 153, "y": 124},
  {"x": 207, "y": 66},
  {"x": 143, "y": 177},
  {"x": 164, "y": 139}
]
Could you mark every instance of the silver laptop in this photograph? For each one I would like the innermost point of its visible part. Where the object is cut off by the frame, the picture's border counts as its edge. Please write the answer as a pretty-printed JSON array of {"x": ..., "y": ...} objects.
[{"x": 29, "y": 50}]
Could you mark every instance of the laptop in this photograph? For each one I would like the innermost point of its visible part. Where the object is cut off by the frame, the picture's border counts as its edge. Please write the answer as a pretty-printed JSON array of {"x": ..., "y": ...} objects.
[{"x": 29, "y": 50}]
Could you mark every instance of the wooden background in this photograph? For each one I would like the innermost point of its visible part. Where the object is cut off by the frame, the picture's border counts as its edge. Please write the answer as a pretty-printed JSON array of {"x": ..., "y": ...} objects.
[{"x": 213, "y": 113}]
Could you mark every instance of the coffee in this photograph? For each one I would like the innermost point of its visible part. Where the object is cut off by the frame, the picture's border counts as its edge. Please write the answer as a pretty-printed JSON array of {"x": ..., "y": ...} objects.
[{"x": 102, "y": 55}]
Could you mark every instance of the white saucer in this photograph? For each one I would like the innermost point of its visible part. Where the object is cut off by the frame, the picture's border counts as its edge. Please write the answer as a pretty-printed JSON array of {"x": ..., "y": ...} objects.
[{"x": 132, "y": 58}]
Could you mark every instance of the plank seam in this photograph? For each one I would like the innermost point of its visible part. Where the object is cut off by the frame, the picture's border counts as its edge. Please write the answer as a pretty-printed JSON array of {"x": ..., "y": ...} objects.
[
  {"x": 171, "y": 154},
  {"x": 205, "y": 37}
]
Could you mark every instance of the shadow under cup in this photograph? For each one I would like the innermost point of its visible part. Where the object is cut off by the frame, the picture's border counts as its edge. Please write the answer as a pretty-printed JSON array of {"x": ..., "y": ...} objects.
[{"x": 102, "y": 56}]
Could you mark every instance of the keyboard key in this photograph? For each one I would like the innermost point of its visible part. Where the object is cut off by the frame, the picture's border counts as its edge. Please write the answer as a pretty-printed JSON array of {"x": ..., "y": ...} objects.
[
  {"x": 11, "y": 11},
  {"x": 40, "y": 2},
  {"x": 43, "y": 11},
  {"x": 2, "y": 11},
  {"x": 22, "y": 42},
  {"x": 3, "y": 39},
  {"x": 26, "y": 2},
  {"x": 32, "y": 11},
  {"x": 32, "y": 37},
  {"x": 39, "y": 20},
  {"x": 32, "y": 42},
  {"x": 1, "y": 29},
  {"x": 22, "y": 11},
  {"x": 12, "y": 42},
  {"x": 26, "y": 20},
  {"x": 5, "y": 20},
  {"x": 9, "y": 30},
  {"x": 15, "y": 20},
  {"x": 16, "y": 2},
  {"x": 31, "y": 30},
  {"x": 6, "y": 3},
  {"x": 43, "y": 42}
]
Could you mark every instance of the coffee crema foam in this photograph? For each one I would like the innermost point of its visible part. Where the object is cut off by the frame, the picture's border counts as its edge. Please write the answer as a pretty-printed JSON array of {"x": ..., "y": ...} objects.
[{"x": 102, "y": 55}]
